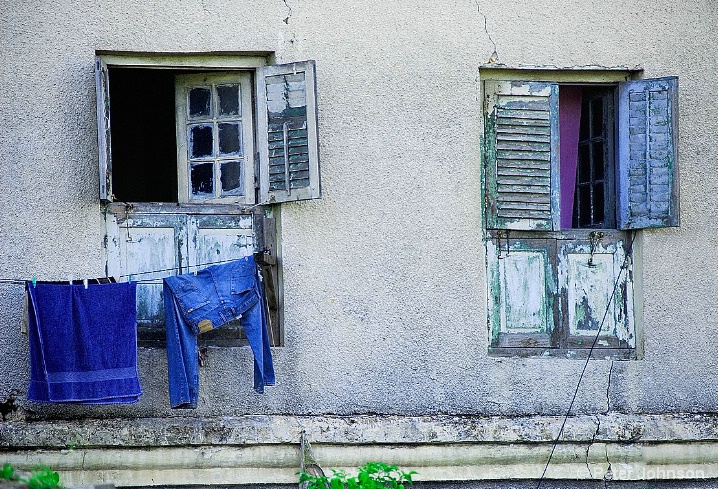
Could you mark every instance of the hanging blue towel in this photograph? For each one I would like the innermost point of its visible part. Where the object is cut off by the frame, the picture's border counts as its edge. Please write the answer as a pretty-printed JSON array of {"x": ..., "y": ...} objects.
[{"x": 83, "y": 343}]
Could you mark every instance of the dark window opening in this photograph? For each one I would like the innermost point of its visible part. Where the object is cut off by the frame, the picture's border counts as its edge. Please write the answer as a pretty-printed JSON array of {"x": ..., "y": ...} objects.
[
  {"x": 587, "y": 127},
  {"x": 144, "y": 148}
]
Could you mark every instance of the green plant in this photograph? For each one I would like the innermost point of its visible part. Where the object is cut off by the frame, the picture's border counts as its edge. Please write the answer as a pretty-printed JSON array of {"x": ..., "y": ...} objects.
[
  {"x": 38, "y": 478},
  {"x": 43, "y": 478},
  {"x": 7, "y": 473},
  {"x": 372, "y": 475}
]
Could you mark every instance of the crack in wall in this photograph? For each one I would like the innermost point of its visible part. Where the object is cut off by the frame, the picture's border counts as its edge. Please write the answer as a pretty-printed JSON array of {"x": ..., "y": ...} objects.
[
  {"x": 608, "y": 389},
  {"x": 289, "y": 13},
  {"x": 609, "y": 474},
  {"x": 494, "y": 58}
]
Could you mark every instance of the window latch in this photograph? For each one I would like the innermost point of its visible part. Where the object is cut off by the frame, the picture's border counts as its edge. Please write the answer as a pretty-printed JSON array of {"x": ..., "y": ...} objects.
[
  {"x": 128, "y": 208},
  {"x": 594, "y": 238}
]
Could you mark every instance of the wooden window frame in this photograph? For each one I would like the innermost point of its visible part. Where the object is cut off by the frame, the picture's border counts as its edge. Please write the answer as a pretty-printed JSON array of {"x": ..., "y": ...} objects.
[
  {"x": 578, "y": 258},
  {"x": 211, "y": 80}
]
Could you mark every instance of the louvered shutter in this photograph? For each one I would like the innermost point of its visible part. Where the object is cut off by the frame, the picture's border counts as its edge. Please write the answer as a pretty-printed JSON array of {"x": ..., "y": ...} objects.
[
  {"x": 287, "y": 132},
  {"x": 521, "y": 155},
  {"x": 648, "y": 157},
  {"x": 102, "y": 88}
]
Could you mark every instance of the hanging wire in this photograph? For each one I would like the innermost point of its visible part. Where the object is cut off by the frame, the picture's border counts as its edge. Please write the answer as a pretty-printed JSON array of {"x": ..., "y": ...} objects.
[{"x": 629, "y": 254}]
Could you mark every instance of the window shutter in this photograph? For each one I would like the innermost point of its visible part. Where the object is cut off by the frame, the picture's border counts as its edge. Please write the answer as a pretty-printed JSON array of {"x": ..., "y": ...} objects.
[
  {"x": 287, "y": 132},
  {"x": 521, "y": 302},
  {"x": 521, "y": 155},
  {"x": 593, "y": 283},
  {"x": 648, "y": 157},
  {"x": 102, "y": 86}
]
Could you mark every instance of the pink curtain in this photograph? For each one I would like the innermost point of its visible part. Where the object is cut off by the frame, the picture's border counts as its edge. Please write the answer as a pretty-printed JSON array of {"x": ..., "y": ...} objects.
[{"x": 569, "y": 118}]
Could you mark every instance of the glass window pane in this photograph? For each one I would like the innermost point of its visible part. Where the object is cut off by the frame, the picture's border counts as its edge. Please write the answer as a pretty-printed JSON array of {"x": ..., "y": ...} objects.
[
  {"x": 599, "y": 204},
  {"x": 584, "y": 164},
  {"x": 202, "y": 179},
  {"x": 583, "y": 195},
  {"x": 598, "y": 168},
  {"x": 230, "y": 138},
  {"x": 200, "y": 141},
  {"x": 597, "y": 117},
  {"x": 199, "y": 102},
  {"x": 584, "y": 132},
  {"x": 228, "y": 99},
  {"x": 231, "y": 177}
]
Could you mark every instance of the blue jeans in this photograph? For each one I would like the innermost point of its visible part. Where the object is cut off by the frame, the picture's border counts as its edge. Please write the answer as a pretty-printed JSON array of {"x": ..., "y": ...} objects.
[{"x": 198, "y": 303}]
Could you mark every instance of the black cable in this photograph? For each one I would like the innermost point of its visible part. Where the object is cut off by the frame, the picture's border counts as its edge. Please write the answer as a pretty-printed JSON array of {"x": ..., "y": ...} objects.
[{"x": 629, "y": 254}]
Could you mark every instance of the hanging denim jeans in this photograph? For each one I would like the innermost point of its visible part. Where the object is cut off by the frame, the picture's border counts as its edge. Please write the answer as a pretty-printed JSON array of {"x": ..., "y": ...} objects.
[{"x": 198, "y": 303}]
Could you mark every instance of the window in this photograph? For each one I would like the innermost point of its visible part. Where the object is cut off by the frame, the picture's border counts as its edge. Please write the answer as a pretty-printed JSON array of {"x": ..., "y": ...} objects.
[
  {"x": 189, "y": 146},
  {"x": 214, "y": 133},
  {"x": 572, "y": 169}
]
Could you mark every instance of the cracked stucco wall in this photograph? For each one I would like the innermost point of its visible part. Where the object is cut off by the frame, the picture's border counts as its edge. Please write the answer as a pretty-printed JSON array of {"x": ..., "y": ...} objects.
[{"x": 384, "y": 276}]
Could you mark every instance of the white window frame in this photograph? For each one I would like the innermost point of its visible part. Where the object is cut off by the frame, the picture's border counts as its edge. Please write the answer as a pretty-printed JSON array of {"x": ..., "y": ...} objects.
[{"x": 211, "y": 80}]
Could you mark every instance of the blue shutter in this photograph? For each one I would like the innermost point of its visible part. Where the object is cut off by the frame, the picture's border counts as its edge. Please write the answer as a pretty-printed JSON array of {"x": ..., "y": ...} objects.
[
  {"x": 521, "y": 155},
  {"x": 648, "y": 156}
]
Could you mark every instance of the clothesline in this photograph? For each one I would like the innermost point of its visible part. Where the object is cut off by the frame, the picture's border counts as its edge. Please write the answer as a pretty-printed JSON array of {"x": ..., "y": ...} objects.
[{"x": 130, "y": 276}]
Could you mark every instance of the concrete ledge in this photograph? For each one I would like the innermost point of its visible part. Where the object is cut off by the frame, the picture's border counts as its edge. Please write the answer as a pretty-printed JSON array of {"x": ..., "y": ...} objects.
[
  {"x": 265, "y": 449},
  {"x": 278, "y": 464},
  {"x": 359, "y": 430}
]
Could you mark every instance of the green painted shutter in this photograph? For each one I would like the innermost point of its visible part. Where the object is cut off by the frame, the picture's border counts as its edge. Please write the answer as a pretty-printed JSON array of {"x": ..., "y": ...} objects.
[
  {"x": 287, "y": 132},
  {"x": 102, "y": 89},
  {"x": 521, "y": 155},
  {"x": 522, "y": 285},
  {"x": 648, "y": 154}
]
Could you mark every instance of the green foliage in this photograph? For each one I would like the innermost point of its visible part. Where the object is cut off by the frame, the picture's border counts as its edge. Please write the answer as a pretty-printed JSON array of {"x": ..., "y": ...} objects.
[
  {"x": 7, "y": 473},
  {"x": 373, "y": 475},
  {"x": 39, "y": 478},
  {"x": 43, "y": 478}
]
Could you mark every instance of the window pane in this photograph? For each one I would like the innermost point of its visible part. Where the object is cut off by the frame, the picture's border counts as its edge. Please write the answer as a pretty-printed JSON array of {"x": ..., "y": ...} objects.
[
  {"x": 583, "y": 126},
  {"x": 228, "y": 99},
  {"x": 202, "y": 178},
  {"x": 598, "y": 205},
  {"x": 596, "y": 117},
  {"x": 584, "y": 164},
  {"x": 199, "y": 102},
  {"x": 231, "y": 177},
  {"x": 200, "y": 141},
  {"x": 598, "y": 169},
  {"x": 583, "y": 204},
  {"x": 229, "y": 138}
]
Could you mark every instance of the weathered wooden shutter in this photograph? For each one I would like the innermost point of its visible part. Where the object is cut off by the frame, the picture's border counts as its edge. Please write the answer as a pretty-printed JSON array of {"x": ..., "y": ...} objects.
[
  {"x": 648, "y": 156},
  {"x": 521, "y": 155},
  {"x": 287, "y": 132},
  {"x": 102, "y": 88},
  {"x": 147, "y": 247},
  {"x": 596, "y": 292},
  {"x": 522, "y": 284}
]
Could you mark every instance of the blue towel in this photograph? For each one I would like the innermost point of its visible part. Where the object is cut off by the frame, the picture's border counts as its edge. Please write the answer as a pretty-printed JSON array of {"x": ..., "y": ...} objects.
[{"x": 83, "y": 343}]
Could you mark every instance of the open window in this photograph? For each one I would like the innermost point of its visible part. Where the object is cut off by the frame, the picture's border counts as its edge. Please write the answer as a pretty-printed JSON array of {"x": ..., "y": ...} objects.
[
  {"x": 570, "y": 170},
  {"x": 195, "y": 150}
]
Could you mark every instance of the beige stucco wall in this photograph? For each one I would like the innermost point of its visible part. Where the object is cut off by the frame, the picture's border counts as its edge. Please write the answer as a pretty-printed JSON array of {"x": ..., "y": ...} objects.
[{"x": 384, "y": 276}]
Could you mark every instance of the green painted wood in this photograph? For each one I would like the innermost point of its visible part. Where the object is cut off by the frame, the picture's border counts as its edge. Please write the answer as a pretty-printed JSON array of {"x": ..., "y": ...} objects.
[
  {"x": 522, "y": 292},
  {"x": 521, "y": 155}
]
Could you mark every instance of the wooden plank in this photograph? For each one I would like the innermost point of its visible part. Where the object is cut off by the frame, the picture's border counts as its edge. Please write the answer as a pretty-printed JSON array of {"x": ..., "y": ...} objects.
[{"x": 648, "y": 158}]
